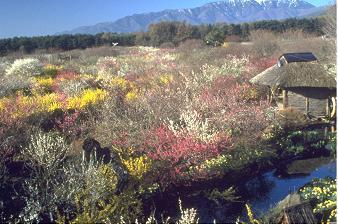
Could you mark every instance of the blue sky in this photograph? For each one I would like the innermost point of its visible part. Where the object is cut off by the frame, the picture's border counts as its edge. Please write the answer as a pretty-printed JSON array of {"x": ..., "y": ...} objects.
[{"x": 41, "y": 17}]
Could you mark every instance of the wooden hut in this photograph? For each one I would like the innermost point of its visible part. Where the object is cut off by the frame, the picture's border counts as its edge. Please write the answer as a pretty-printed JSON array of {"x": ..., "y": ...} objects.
[
  {"x": 301, "y": 213},
  {"x": 291, "y": 210},
  {"x": 299, "y": 81}
]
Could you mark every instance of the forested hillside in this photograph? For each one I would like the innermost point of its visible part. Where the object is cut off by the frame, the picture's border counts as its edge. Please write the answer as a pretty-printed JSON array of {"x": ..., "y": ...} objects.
[{"x": 171, "y": 33}]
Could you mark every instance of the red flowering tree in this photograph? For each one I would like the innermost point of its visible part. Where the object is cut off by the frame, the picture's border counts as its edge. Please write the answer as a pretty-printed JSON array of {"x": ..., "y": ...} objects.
[{"x": 176, "y": 154}]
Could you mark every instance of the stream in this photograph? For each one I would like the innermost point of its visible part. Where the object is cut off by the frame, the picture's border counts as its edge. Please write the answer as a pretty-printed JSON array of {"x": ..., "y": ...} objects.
[
  {"x": 279, "y": 187},
  {"x": 261, "y": 192}
]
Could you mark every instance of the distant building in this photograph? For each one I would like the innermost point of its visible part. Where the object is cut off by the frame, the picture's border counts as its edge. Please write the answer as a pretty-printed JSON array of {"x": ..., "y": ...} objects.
[{"x": 299, "y": 81}]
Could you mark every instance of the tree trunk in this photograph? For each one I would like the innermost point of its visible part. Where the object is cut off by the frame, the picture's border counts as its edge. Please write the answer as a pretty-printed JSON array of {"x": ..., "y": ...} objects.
[
  {"x": 285, "y": 99},
  {"x": 307, "y": 105}
]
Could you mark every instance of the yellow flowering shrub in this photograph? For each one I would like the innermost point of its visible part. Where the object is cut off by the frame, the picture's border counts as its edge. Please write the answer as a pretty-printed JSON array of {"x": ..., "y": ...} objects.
[
  {"x": 108, "y": 210},
  {"x": 166, "y": 79},
  {"x": 42, "y": 85},
  {"x": 216, "y": 163},
  {"x": 324, "y": 191},
  {"x": 40, "y": 103},
  {"x": 52, "y": 70},
  {"x": 132, "y": 95},
  {"x": 25, "y": 105},
  {"x": 49, "y": 102},
  {"x": 129, "y": 88},
  {"x": 120, "y": 82},
  {"x": 2, "y": 104},
  {"x": 91, "y": 201},
  {"x": 250, "y": 94},
  {"x": 108, "y": 174},
  {"x": 41, "y": 81},
  {"x": 96, "y": 200},
  {"x": 137, "y": 167},
  {"x": 250, "y": 215},
  {"x": 51, "y": 66},
  {"x": 4, "y": 101},
  {"x": 86, "y": 98},
  {"x": 225, "y": 44},
  {"x": 21, "y": 106},
  {"x": 88, "y": 77}
]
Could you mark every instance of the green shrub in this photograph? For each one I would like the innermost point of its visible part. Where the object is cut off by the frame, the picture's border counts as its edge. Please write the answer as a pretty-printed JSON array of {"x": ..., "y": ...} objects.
[
  {"x": 332, "y": 143},
  {"x": 301, "y": 142},
  {"x": 96, "y": 201},
  {"x": 45, "y": 155}
]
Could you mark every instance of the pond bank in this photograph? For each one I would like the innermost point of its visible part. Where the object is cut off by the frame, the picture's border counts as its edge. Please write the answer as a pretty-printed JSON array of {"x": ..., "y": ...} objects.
[{"x": 262, "y": 188}]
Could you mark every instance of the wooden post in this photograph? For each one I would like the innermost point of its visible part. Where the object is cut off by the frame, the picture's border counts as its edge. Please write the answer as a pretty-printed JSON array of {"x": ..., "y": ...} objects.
[
  {"x": 328, "y": 107},
  {"x": 285, "y": 99},
  {"x": 334, "y": 107},
  {"x": 326, "y": 132},
  {"x": 307, "y": 105}
]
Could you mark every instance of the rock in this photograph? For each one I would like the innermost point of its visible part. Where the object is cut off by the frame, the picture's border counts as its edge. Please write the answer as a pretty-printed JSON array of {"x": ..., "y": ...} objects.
[
  {"x": 306, "y": 166},
  {"x": 92, "y": 149}
]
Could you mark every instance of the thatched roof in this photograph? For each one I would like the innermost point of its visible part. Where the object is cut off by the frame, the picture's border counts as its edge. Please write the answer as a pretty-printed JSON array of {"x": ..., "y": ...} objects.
[{"x": 297, "y": 74}]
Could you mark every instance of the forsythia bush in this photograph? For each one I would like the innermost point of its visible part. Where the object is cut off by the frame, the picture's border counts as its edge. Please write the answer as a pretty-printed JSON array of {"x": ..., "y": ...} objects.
[
  {"x": 218, "y": 163},
  {"x": 250, "y": 215},
  {"x": 37, "y": 103},
  {"x": 166, "y": 79},
  {"x": 97, "y": 202},
  {"x": 51, "y": 70},
  {"x": 45, "y": 82},
  {"x": 132, "y": 95},
  {"x": 119, "y": 82},
  {"x": 43, "y": 85},
  {"x": 22, "y": 106},
  {"x": 2, "y": 105},
  {"x": 129, "y": 88},
  {"x": 137, "y": 167},
  {"x": 86, "y": 98}
]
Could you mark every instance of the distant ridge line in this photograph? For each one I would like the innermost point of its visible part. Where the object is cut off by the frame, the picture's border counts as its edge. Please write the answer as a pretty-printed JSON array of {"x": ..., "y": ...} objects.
[{"x": 229, "y": 11}]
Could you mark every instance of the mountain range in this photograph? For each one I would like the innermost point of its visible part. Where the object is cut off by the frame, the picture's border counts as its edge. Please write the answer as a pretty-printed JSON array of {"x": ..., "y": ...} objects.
[{"x": 229, "y": 11}]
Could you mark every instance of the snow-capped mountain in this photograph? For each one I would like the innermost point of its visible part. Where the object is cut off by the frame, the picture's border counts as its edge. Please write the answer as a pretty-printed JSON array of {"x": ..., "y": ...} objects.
[{"x": 229, "y": 11}]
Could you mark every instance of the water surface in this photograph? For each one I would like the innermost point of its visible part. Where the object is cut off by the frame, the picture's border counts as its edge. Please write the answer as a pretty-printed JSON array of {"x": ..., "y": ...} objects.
[{"x": 261, "y": 192}]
